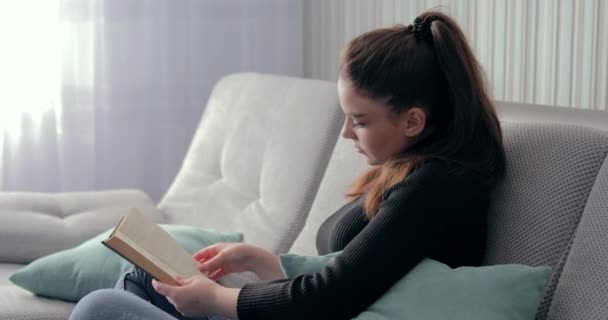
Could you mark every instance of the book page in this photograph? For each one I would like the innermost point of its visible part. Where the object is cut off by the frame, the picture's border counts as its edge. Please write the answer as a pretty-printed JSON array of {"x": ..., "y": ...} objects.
[{"x": 156, "y": 244}]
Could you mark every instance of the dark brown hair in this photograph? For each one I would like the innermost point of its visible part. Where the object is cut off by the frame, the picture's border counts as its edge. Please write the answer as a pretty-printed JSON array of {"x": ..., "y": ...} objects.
[{"x": 438, "y": 72}]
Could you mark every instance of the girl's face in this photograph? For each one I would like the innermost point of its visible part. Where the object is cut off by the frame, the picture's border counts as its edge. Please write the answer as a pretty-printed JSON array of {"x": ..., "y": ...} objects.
[{"x": 377, "y": 133}]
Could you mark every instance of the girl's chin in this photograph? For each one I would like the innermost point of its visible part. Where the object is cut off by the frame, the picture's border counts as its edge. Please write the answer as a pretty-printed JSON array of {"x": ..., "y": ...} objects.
[
  {"x": 370, "y": 161},
  {"x": 367, "y": 158}
]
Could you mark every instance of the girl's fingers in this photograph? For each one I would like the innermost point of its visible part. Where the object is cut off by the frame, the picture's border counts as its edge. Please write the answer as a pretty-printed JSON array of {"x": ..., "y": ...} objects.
[
  {"x": 184, "y": 281},
  {"x": 162, "y": 288},
  {"x": 211, "y": 265},
  {"x": 202, "y": 255},
  {"x": 206, "y": 253},
  {"x": 216, "y": 274}
]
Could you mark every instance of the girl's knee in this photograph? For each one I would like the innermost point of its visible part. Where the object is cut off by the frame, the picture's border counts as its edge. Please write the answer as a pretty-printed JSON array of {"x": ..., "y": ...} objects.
[
  {"x": 116, "y": 305},
  {"x": 101, "y": 304}
]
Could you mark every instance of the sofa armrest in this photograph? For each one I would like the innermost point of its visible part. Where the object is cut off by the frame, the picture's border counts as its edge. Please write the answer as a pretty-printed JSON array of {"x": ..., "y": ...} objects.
[{"x": 33, "y": 225}]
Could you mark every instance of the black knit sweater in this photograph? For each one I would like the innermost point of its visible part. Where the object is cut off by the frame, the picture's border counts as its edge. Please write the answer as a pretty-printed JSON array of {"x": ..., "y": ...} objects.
[{"x": 438, "y": 211}]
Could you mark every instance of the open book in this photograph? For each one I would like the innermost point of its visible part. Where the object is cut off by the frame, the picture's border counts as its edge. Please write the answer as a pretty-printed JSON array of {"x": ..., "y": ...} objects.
[{"x": 146, "y": 245}]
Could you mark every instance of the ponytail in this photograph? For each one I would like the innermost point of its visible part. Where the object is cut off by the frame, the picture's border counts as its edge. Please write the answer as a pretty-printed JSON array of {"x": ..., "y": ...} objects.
[{"x": 469, "y": 97}]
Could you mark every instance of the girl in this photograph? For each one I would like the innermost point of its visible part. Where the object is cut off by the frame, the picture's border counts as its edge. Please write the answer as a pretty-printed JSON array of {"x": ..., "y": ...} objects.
[{"x": 417, "y": 109}]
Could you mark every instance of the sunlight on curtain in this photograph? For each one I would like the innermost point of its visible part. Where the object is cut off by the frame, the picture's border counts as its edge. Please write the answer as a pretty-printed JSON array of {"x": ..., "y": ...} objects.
[
  {"x": 29, "y": 60},
  {"x": 107, "y": 94}
]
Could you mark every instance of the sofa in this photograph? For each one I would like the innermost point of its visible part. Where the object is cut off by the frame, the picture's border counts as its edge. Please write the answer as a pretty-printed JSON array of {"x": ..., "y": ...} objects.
[{"x": 268, "y": 160}]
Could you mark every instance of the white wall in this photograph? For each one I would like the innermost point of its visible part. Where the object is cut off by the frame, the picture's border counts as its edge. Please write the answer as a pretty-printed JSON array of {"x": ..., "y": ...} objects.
[{"x": 543, "y": 52}]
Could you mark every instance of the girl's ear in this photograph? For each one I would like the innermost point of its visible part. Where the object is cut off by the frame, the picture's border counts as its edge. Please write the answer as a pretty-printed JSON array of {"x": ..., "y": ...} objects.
[{"x": 413, "y": 121}]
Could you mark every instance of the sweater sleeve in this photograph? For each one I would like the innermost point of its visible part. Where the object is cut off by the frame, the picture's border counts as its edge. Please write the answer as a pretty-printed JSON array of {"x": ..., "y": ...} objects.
[{"x": 411, "y": 222}]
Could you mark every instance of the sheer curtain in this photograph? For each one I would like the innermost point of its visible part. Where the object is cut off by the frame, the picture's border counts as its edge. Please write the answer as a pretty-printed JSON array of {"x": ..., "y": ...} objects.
[
  {"x": 29, "y": 91},
  {"x": 119, "y": 85}
]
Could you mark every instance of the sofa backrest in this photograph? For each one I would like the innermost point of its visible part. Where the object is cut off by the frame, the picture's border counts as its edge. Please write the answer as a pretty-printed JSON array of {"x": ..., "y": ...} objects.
[
  {"x": 551, "y": 169},
  {"x": 583, "y": 284},
  {"x": 563, "y": 297},
  {"x": 522, "y": 112},
  {"x": 257, "y": 158},
  {"x": 534, "y": 212}
]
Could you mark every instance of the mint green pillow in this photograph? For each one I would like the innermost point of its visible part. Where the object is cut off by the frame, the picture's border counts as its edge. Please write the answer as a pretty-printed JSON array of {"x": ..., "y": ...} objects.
[
  {"x": 433, "y": 290},
  {"x": 294, "y": 265},
  {"x": 71, "y": 274}
]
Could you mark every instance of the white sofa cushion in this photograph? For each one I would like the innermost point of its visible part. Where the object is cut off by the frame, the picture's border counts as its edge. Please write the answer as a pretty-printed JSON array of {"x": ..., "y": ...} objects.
[
  {"x": 33, "y": 225},
  {"x": 6, "y": 270},
  {"x": 257, "y": 158},
  {"x": 18, "y": 304}
]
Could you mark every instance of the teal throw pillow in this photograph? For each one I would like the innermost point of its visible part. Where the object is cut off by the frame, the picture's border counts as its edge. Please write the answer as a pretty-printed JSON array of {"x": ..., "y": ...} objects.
[
  {"x": 71, "y": 274},
  {"x": 434, "y": 291},
  {"x": 294, "y": 265}
]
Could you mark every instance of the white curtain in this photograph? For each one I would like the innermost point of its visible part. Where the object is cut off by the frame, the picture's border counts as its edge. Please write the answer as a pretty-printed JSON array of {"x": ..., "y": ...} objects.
[
  {"x": 107, "y": 94},
  {"x": 29, "y": 89}
]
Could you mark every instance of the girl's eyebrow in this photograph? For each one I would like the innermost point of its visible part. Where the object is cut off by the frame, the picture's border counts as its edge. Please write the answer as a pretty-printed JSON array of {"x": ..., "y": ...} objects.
[{"x": 356, "y": 115}]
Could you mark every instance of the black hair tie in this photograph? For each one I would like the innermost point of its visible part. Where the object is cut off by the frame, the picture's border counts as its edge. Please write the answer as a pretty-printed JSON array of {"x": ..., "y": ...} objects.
[{"x": 421, "y": 28}]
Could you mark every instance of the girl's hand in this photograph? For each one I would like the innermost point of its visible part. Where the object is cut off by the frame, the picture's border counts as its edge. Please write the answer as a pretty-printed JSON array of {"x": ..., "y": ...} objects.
[
  {"x": 200, "y": 296},
  {"x": 224, "y": 258},
  {"x": 195, "y": 296}
]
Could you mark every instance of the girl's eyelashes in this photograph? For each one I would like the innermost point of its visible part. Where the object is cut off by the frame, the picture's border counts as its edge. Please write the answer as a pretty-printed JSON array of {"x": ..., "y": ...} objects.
[{"x": 357, "y": 124}]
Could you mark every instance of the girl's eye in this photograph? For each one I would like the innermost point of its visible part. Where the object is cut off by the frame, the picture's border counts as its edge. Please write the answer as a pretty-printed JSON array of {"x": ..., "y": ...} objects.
[{"x": 357, "y": 124}]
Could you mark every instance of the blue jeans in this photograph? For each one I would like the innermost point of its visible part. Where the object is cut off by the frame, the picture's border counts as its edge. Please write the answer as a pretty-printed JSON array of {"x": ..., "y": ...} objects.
[{"x": 133, "y": 298}]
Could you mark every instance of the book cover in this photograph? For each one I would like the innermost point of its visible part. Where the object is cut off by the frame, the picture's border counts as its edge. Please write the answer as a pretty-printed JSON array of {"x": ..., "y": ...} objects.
[{"x": 145, "y": 244}]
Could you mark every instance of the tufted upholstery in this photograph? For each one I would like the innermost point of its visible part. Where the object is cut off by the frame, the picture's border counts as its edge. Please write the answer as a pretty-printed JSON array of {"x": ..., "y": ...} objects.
[
  {"x": 33, "y": 225},
  {"x": 257, "y": 158}
]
